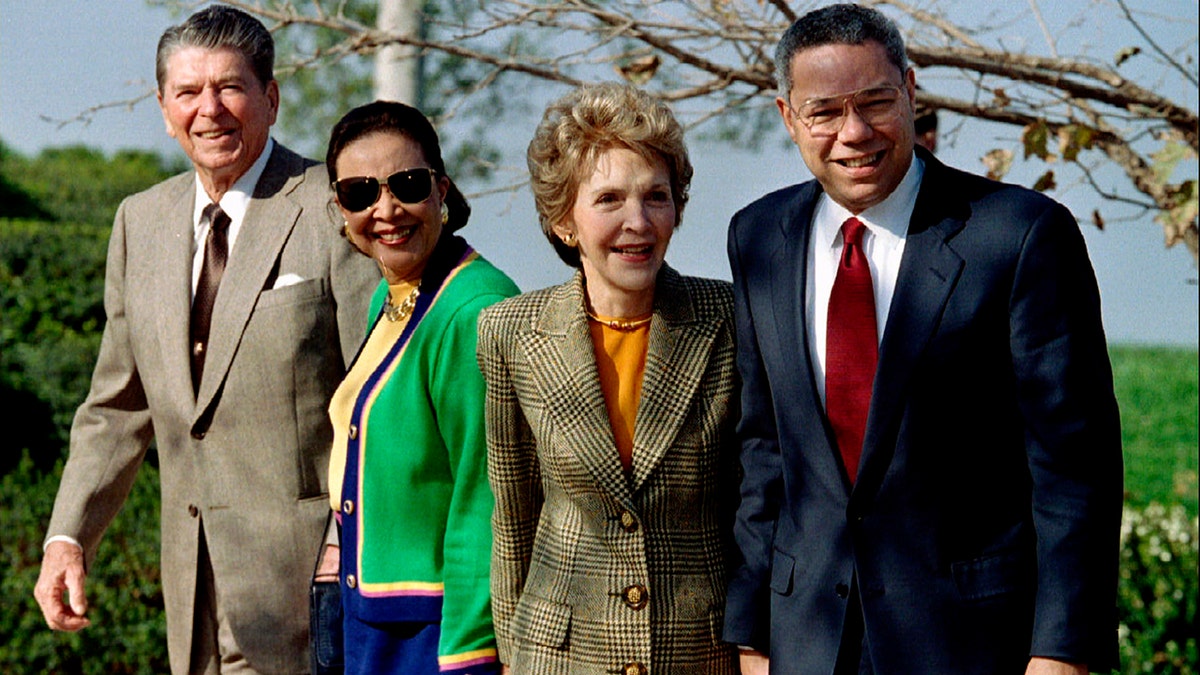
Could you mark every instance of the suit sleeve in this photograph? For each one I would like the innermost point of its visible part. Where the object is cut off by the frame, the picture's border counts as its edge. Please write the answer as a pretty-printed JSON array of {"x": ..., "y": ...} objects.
[
  {"x": 747, "y": 612},
  {"x": 468, "y": 637},
  {"x": 1073, "y": 442},
  {"x": 112, "y": 429},
  {"x": 515, "y": 478},
  {"x": 353, "y": 278}
]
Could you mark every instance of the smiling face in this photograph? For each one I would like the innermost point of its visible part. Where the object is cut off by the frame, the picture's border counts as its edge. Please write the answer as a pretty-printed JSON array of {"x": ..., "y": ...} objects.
[
  {"x": 218, "y": 111},
  {"x": 861, "y": 164},
  {"x": 398, "y": 236},
  {"x": 622, "y": 221}
]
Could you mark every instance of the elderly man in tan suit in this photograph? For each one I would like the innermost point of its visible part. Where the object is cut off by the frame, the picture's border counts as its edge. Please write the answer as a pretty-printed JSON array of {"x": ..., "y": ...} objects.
[{"x": 233, "y": 307}]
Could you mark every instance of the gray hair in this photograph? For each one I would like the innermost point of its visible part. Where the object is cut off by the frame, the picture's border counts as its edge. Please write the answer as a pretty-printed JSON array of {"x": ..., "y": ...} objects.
[
  {"x": 844, "y": 24},
  {"x": 220, "y": 27}
]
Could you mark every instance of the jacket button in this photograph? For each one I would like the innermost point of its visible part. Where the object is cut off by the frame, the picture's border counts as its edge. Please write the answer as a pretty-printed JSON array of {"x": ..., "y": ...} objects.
[
  {"x": 842, "y": 590},
  {"x": 635, "y": 669},
  {"x": 347, "y": 507},
  {"x": 193, "y": 511},
  {"x": 635, "y": 596},
  {"x": 353, "y": 431},
  {"x": 351, "y": 581},
  {"x": 628, "y": 522}
]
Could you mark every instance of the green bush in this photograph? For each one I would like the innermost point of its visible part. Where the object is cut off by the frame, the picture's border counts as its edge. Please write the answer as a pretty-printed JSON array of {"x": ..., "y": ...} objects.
[
  {"x": 128, "y": 631},
  {"x": 1158, "y": 590},
  {"x": 52, "y": 300}
]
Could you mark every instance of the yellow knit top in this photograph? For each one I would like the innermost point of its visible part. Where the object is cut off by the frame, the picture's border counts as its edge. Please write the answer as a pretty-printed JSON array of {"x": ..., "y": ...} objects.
[{"x": 621, "y": 361}]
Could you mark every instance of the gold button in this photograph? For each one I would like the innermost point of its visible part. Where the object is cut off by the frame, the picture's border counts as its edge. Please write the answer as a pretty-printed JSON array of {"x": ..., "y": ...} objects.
[
  {"x": 353, "y": 431},
  {"x": 193, "y": 511},
  {"x": 351, "y": 581},
  {"x": 198, "y": 348},
  {"x": 628, "y": 522},
  {"x": 347, "y": 507},
  {"x": 636, "y": 596},
  {"x": 635, "y": 669}
]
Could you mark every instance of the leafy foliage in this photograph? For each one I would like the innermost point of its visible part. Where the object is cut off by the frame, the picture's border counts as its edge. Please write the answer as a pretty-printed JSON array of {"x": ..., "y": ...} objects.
[
  {"x": 52, "y": 287},
  {"x": 78, "y": 184},
  {"x": 128, "y": 631},
  {"x": 1158, "y": 590}
]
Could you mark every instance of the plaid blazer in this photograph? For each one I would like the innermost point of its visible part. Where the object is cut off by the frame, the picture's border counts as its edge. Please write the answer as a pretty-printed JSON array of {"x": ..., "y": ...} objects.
[{"x": 594, "y": 570}]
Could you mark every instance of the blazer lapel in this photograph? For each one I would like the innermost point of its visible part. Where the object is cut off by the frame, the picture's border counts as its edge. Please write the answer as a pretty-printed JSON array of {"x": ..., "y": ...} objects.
[
  {"x": 174, "y": 296},
  {"x": 928, "y": 272},
  {"x": 676, "y": 359},
  {"x": 789, "y": 295},
  {"x": 563, "y": 365},
  {"x": 268, "y": 224}
]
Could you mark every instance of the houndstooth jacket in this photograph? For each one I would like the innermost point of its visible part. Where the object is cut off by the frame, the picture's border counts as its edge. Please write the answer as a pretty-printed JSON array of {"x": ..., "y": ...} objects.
[{"x": 594, "y": 570}]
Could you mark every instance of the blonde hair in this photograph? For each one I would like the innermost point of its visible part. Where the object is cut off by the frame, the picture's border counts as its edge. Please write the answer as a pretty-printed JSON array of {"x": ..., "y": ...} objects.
[{"x": 582, "y": 125}]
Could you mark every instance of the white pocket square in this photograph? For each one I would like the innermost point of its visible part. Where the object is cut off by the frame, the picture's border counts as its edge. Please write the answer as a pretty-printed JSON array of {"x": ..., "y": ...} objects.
[{"x": 287, "y": 280}]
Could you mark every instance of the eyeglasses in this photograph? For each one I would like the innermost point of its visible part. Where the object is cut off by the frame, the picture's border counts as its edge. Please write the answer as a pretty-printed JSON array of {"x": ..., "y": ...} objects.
[
  {"x": 360, "y": 192},
  {"x": 825, "y": 117}
]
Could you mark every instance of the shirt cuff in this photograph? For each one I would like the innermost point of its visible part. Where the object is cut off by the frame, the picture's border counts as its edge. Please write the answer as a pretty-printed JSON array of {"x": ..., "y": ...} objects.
[{"x": 61, "y": 537}]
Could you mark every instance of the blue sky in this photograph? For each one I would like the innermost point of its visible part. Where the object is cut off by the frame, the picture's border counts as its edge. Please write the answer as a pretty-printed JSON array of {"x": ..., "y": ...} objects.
[{"x": 60, "y": 57}]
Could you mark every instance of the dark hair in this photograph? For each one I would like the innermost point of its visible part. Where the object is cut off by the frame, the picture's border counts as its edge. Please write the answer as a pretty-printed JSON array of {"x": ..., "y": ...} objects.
[
  {"x": 220, "y": 27},
  {"x": 844, "y": 24},
  {"x": 579, "y": 127},
  {"x": 390, "y": 117}
]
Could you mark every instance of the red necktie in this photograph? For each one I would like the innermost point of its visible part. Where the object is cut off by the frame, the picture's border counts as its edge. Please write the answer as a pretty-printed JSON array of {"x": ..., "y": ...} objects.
[
  {"x": 851, "y": 347},
  {"x": 216, "y": 250}
]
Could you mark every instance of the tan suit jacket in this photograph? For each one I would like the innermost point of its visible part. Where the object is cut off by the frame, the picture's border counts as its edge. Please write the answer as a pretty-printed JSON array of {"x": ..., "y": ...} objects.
[
  {"x": 594, "y": 570},
  {"x": 246, "y": 459}
]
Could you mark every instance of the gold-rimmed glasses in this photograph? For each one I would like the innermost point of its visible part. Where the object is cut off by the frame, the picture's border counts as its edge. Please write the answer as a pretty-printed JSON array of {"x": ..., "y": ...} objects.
[{"x": 825, "y": 117}]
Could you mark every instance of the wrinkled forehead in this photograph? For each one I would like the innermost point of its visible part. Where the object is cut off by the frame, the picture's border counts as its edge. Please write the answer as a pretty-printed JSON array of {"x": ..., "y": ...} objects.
[{"x": 834, "y": 70}]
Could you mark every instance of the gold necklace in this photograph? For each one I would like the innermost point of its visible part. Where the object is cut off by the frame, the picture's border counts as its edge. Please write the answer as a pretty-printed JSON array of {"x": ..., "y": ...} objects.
[
  {"x": 620, "y": 324},
  {"x": 394, "y": 313}
]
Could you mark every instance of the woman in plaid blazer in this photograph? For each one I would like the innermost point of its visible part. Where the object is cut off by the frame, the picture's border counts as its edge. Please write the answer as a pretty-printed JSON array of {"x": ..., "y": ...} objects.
[{"x": 610, "y": 411}]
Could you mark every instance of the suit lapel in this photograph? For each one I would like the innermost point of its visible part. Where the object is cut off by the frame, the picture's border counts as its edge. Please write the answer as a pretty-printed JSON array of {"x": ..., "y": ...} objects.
[
  {"x": 174, "y": 295},
  {"x": 268, "y": 224},
  {"x": 789, "y": 295},
  {"x": 563, "y": 366},
  {"x": 676, "y": 359},
  {"x": 928, "y": 272}
]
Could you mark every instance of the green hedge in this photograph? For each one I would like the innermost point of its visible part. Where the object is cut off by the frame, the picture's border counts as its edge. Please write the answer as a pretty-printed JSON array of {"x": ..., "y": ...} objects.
[
  {"x": 1158, "y": 590},
  {"x": 128, "y": 631}
]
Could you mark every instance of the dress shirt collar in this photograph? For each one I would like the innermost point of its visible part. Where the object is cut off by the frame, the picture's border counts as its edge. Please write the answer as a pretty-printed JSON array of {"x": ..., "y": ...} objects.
[
  {"x": 887, "y": 221},
  {"x": 237, "y": 199}
]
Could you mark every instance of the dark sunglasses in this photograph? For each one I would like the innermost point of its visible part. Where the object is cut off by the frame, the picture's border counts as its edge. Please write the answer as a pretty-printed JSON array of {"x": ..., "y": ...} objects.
[{"x": 410, "y": 187}]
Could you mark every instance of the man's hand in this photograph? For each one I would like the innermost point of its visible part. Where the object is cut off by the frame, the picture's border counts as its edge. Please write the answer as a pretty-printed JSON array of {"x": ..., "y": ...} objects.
[
  {"x": 328, "y": 569},
  {"x": 753, "y": 662},
  {"x": 1040, "y": 665},
  {"x": 62, "y": 570}
]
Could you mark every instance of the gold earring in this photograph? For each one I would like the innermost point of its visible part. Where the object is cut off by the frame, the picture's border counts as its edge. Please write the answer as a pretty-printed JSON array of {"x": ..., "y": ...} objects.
[
  {"x": 569, "y": 239},
  {"x": 346, "y": 229},
  {"x": 445, "y": 213}
]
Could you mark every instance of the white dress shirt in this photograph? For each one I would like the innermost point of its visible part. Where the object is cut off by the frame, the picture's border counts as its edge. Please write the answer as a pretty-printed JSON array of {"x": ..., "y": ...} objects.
[
  {"x": 234, "y": 203},
  {"x": 883, "y": 244}
]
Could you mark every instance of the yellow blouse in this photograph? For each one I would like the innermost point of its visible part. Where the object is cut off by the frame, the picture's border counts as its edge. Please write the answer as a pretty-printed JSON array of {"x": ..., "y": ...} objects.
[{"x": 621, "y": 361}]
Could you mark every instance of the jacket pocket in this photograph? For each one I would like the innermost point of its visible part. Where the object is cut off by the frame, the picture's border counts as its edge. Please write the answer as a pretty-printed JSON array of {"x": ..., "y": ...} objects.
[
  {"x": 990, "y": 576},
  {"x": 542, "y": 622},
  {"x": 783, "y": 568}
]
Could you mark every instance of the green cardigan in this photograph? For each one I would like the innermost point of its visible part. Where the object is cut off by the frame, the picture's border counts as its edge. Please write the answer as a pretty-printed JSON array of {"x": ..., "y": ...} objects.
[{"x": 416, "y": 537}]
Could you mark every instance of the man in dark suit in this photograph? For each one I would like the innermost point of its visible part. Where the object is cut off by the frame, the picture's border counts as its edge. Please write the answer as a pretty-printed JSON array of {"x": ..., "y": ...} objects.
[
  {"x": 238, "y": 408},
  {"x": 929, "y": 436}
]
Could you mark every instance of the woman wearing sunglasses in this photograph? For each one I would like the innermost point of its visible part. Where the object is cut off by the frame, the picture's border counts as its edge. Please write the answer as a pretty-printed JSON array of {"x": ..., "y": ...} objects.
[
  {"x": 610, "y": 412},
  {"x": 407, "y": 475}
]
